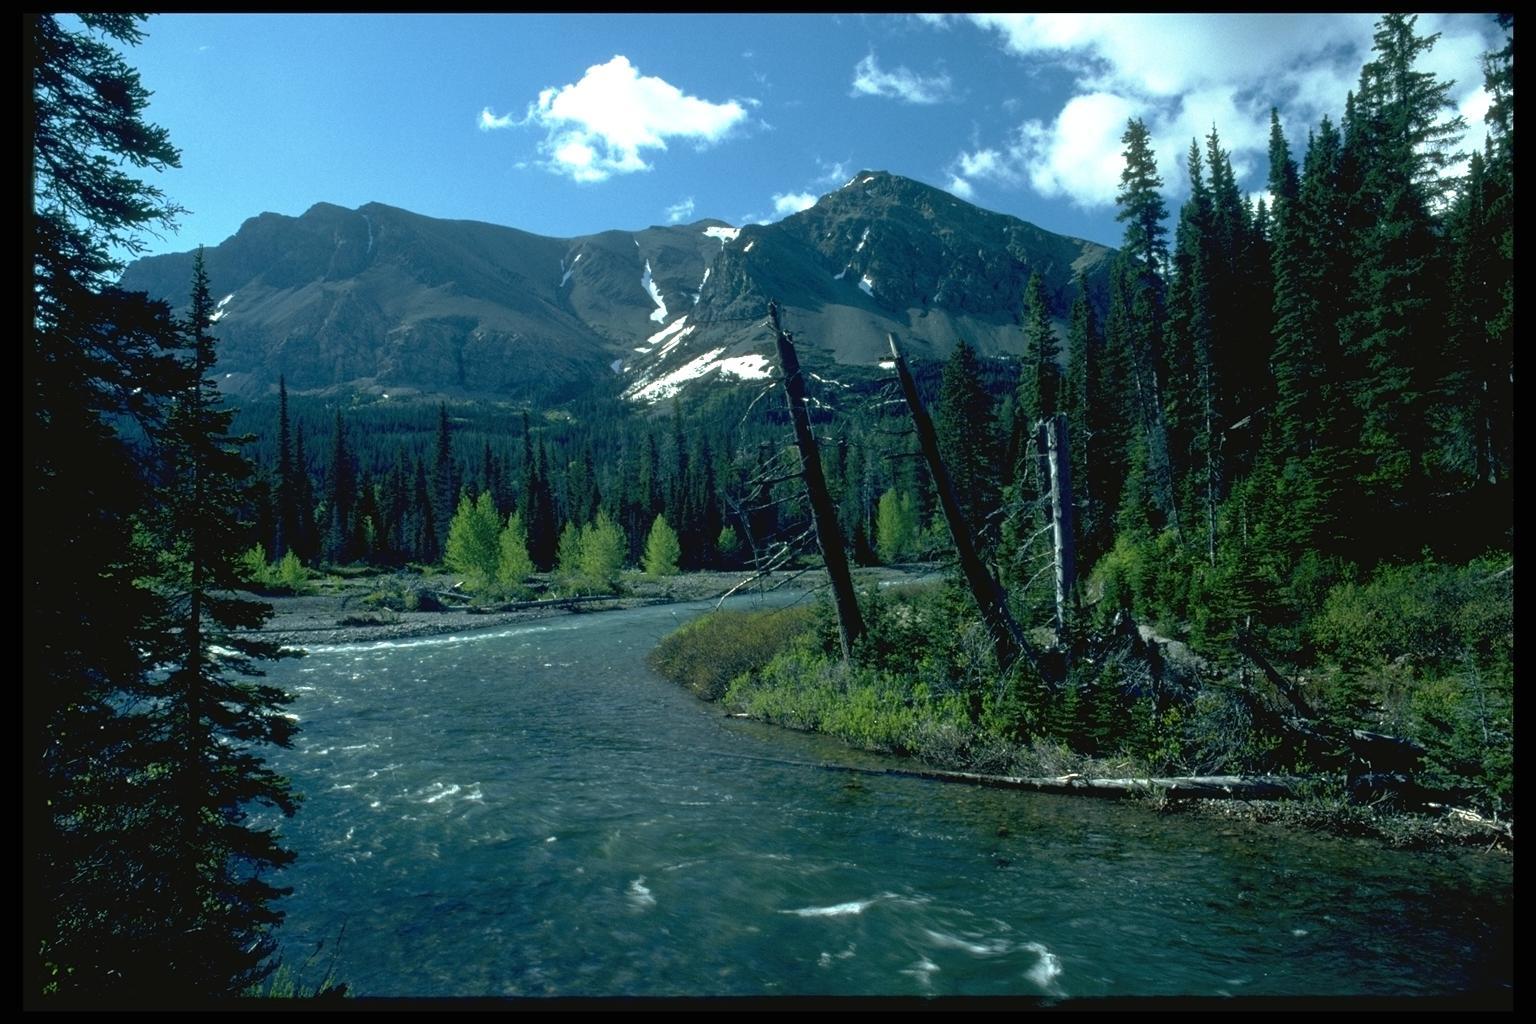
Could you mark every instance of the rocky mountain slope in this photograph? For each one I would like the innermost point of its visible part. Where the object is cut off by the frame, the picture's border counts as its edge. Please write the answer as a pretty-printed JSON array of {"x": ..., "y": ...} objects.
[{"x": 381, "y": 300}]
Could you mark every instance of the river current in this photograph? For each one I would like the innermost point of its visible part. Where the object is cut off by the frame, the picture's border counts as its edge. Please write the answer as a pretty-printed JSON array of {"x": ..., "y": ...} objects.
[{"x": 529, "y": 811}]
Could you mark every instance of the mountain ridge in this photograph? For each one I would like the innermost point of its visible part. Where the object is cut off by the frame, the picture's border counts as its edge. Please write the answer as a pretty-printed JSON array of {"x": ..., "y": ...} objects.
[{"x": 384, "y": 300}]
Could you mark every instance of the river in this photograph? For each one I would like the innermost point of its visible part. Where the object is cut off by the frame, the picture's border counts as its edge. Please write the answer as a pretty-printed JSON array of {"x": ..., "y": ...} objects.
[{"x": 529, "y": 811}]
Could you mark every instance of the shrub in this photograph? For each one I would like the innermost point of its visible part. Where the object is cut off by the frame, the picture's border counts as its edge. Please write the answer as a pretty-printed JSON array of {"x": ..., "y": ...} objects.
[{"x": 707, "y": 653}]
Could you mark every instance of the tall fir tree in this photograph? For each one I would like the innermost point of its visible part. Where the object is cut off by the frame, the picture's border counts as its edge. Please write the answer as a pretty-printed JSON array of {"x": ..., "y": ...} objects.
[
  {"x": 1401, "y": 135},
  {"x": 287, "y": 486},
  {"x": 95, "y": 358},
  {"x": 964, "y": 425},
  {"x": 203, "y": 762}
]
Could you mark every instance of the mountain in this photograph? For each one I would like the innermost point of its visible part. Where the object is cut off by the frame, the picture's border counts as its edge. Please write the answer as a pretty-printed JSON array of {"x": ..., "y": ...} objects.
[{"x": 381, "y": 300}]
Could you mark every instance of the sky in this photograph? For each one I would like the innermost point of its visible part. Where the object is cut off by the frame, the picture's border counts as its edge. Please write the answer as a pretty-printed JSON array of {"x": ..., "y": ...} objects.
[{"x": 566, "y": 125}]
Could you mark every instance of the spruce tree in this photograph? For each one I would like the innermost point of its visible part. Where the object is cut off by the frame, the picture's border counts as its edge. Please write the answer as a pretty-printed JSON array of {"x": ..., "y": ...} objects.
[
  {"x": 95, "y": 359},
  {"x": 1401, "y": 134},
  {"x": 1040, "y": 387},
  {"x": 964, "y": 424},
  {"x": 212, "y": 717}
]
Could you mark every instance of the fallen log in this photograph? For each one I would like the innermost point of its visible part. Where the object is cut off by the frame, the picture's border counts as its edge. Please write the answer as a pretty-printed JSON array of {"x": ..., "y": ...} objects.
[{"x": 1207, "y": 787}]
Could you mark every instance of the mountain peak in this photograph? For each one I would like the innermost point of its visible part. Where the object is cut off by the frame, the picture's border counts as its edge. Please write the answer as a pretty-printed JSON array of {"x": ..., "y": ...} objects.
[{"x": 380, "y": 298}]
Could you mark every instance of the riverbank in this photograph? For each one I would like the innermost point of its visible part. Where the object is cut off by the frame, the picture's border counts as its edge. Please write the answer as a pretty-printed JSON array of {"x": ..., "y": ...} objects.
[
  {"x": 364, "y": 609},
  {"x": 1101, "y": 740}
]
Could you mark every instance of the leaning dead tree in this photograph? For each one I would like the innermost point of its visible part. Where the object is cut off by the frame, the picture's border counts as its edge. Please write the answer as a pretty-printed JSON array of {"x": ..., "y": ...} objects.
[
  {"x": 1007, "y": 639},
  {"x": 1051, "y": 439},
  {"x": 829, "y": 537}
]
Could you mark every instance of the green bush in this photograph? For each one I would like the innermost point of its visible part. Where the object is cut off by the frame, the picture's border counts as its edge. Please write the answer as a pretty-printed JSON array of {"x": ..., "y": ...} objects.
[{"x": 707, "y": 653}]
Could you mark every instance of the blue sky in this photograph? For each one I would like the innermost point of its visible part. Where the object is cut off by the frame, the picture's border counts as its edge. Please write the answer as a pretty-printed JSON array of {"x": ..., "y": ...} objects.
[{"x": 567, "y": 125}]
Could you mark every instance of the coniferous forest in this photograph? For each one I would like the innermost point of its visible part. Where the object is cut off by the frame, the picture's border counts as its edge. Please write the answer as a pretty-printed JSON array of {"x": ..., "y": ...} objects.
[{"x": 1290, "y": 431}]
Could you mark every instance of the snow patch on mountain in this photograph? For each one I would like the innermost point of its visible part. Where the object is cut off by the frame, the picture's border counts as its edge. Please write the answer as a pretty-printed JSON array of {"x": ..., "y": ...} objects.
[
  {"x": 219, "y": 310},
  {"x": 665, "y": 387},
  {"x": 867, "y": 286},
  {"x": 669, "y": 346},
  {"x": 646, "y": 282},
  {"x": 667, "y": 331},
  {"x": 862, "y": 239},
  {"x": 568, "y": 271},
  {"x": 752, "y": 367},
  {"x": 724, "y": 234},
  {"x": 748, "y": 367}
]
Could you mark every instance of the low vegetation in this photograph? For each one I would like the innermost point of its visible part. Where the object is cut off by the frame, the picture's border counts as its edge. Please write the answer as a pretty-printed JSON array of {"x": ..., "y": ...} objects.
[{"x": 1423, "y": 653}]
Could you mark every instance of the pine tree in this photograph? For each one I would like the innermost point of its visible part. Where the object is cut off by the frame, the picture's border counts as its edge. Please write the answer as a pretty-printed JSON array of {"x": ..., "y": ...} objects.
[
  {"x": 95, "y": 357},
  {"x": 1084, "y": 404},
  {"x": 287, "y": 488},
  {"x": 1140, "y": 200},
  {"x": 1401, "y": 135},
  {"x": 1136, "y": 325},
  {"x": 445, "y": 482},
  {"x": 340, "y": 520},
  {"x": 1040, "y": 387},
  {"x": 964, "y": 424},
  {"x": 203, "y": 764}
]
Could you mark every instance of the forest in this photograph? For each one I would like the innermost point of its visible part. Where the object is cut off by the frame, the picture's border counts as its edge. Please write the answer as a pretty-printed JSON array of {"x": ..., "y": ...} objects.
[{"x": 1290, "y": 433}]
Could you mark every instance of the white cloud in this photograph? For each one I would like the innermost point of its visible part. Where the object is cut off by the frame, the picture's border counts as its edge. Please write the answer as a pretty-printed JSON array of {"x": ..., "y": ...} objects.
[
  {"x": 1182, "y": 74},
  {"x": 787, "y": 203},
  {"x": 960, "y": 187},
  {"x": 902, "y": 83},
  {"x": 489, "y": 121},
  {"x": 601, "y": 125},
  {"x": 832, "y": 175},
  {"x": 680, "y": 211}
]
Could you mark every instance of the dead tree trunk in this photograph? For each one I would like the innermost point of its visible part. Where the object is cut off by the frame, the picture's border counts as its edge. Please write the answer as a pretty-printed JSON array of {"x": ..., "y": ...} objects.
[
  {"x": 1007, "y": 639},
  {"x": 829, "y": 537},
  {"x": 1059, "y": 455}
]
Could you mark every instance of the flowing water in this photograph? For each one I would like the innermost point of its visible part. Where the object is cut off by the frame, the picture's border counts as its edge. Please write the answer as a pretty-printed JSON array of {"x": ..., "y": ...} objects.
[{"x": 529, "y": 811}]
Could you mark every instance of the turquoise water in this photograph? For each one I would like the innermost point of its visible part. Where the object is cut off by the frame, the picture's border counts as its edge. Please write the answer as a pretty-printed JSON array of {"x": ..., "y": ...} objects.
[{"x": 529, "y": 811}]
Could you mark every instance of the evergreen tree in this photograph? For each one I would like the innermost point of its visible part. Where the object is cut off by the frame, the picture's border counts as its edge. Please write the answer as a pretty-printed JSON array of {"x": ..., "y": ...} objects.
[
  {"x": 340, "y": 521},
  {"x": 212, "y": 717},
  {"x": 1084, "y": 403},
  {"x": 94, "y": 358},
  {"x": 305, "y": 541},
  {"x": 1140, "y": 200},
  {"x": 964, "y": 426},
  {"x": 1135, "y": 328},
  {"x": 287, "y": 485},
  {"x": 425, "y": 519},
  {"x": 1040, "y": 388},
  {"x": 1401, "y": 134},
  {"x": 445, "y": 483}
]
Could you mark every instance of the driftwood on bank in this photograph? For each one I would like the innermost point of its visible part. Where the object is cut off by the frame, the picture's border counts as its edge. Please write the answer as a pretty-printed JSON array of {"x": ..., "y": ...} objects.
[
  {"x": 1007, "y": 639},
  {"x": 1373, "y": 749},
  {"x": 829, "y": 536},
  {"x": 1207, "y": 787}
]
